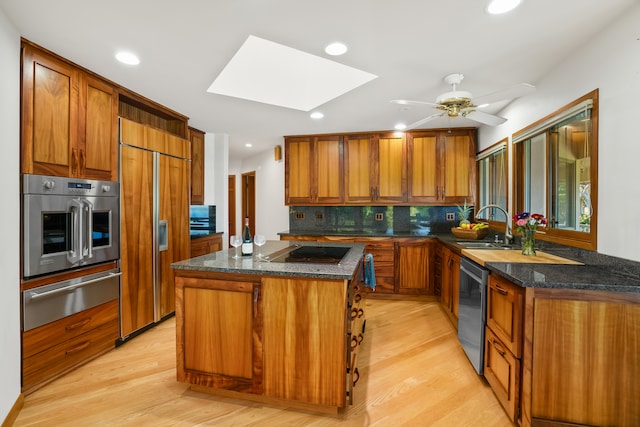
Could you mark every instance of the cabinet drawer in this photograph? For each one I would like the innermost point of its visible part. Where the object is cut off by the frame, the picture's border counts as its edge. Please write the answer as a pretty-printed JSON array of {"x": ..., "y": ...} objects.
[
  {"x": 504, "y": 312},
  {"x": 41, "y": 338},
  {"x": 502, "y": 371},
  {"x": 56, "y": 360}
]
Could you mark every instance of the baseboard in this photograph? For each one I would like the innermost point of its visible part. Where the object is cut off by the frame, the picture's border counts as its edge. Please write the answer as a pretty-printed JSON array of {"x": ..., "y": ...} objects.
[{"x": 14, "y": 412}]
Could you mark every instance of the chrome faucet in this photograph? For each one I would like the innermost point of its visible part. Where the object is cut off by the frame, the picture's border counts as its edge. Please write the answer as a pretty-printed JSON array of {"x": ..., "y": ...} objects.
[{"x": 508, "y": 237}]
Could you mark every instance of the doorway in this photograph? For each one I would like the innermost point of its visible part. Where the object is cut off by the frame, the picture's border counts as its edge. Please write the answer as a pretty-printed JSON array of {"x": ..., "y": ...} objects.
[
  {"x": 249, "y": 200},
  {"x": 231, "y": 189}
]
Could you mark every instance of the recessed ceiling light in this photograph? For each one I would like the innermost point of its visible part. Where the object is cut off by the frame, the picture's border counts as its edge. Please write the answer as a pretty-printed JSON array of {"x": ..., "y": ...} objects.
[
  {"x": 316, "y": 115},
  {"x": 336, "y": 49},
  {"x": 127, "y": 58},
  {"x": 248, "y": 145},
  {"x": 496, "y": 7},
  {"x": 400, "y": 126}
]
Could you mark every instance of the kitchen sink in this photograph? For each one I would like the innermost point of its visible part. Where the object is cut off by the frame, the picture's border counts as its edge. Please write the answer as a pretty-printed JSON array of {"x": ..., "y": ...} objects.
[{"x": 483, "y": 245}]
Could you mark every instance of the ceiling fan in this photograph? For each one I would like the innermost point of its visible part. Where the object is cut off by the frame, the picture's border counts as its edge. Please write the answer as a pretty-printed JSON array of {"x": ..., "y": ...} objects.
[{"x": 461, "y": 103}]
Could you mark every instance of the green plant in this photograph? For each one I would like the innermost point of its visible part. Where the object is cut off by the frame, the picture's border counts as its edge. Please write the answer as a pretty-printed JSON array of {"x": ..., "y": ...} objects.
[{"x": 464, "y": 211}]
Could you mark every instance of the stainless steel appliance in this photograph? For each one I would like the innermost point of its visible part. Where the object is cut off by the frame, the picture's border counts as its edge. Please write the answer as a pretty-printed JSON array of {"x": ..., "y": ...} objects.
[
  {"x": 68, "y": 223},
  {"x": 48, "y": 303},
  {"x": 472, "y": 311}
]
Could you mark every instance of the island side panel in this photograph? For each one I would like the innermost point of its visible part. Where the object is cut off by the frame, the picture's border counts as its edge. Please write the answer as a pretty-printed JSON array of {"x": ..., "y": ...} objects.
[{"x": 304, "y": 331}]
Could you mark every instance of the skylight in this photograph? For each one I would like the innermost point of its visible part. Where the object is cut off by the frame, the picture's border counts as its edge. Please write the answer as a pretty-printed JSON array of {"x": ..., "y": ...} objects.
[{"x": 271, "y": 73}]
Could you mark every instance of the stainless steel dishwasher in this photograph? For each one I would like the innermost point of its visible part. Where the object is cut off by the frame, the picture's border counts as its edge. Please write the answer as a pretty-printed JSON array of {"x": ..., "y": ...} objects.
[{"x": 472, "y": 311}]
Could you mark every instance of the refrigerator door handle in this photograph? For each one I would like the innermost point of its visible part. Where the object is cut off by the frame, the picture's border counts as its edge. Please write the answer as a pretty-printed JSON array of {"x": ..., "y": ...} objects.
[{"x": 163, "y": 235}]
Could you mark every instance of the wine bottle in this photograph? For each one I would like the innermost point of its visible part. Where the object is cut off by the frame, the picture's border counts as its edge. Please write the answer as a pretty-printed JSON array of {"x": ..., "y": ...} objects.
[{"x": 247, "y": 242}]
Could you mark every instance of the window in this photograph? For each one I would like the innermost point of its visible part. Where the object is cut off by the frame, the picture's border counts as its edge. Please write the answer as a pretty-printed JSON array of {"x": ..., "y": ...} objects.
[
  {"x": 555, "y": 172},
  {"x": 491, "y": 166}
]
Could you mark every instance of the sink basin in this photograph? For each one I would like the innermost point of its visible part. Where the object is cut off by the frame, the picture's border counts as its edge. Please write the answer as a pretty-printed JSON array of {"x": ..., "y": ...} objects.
[{"x": 484, "y": 245}]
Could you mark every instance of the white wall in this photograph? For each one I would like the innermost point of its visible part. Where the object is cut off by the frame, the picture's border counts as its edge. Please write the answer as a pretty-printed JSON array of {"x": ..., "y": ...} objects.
[
  {"x": 272, "y": 216},
  {"x": 9, "y": 216},
  {"x": 216, "y": 170},
  {"x": 611, "y": 63}
]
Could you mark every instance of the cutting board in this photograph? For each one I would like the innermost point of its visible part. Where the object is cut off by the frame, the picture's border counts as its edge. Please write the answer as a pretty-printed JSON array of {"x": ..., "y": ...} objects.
[{"x": 482, "y": 256}]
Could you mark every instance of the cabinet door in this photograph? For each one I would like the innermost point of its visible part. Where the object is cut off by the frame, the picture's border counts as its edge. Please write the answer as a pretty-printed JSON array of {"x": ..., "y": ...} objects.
[
  {"x": 197, "y": 166},
  {"x": 298, "y": 171},
  {"x": 422, "y": 167},
  {"x": 391, "y": 160},
  {"x": 359, "y": 158},
  {"x": 97, "y": 149},
  {"x": 413, "y": 266},
  {"x": 328, "y": 170},
  {"x": 219, "y": 333},
  {"x": 49, "y": 115},
  {"x": 458, "y": 165},
  {"x": 504, "y": 312},
  {"x": 174, "y": 209},
  {"x": 136, "y": 250}
]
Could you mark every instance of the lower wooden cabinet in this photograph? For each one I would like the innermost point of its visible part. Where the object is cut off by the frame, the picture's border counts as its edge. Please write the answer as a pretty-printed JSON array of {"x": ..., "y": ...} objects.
[
  {"x": 206, "y": 245},
  {"x": 414, "y": 266},
  {"x": 78, "y": 338},
  {"x": 502, "y": 372},
  {"x": 450, "y": 284}
]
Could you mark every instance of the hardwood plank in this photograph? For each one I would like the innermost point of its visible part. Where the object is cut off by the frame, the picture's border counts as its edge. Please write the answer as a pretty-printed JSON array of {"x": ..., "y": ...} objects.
[{"x": 413, "y": 372}]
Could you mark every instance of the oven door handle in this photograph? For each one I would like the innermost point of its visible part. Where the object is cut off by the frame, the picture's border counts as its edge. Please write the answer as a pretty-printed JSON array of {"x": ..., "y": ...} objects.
[
  {"x": 88, "y": 231},
  {"x": 36, "y": 295},
  {"x": 76, "y": 210}
]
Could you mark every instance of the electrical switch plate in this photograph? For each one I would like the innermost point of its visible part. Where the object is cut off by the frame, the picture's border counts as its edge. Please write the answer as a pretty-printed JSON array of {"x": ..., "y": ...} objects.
[
  {"x": 451, "y": 216},
  {"x": 379, "y": 216}
]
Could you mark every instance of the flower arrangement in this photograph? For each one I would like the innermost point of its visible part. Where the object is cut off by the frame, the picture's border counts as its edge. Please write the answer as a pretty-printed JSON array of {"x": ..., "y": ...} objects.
[{"x": 527, "y": 224}]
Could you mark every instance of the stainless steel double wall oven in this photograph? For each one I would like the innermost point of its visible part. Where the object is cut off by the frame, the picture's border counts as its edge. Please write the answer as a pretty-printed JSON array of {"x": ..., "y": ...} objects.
[{"x": 68, "y": 224}]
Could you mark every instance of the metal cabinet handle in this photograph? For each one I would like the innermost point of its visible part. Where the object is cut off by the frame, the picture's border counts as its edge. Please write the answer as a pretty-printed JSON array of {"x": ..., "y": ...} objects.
[
  {"x": 500, "y": 290},
  {"x": 78, "y": 348},
  {"x": 78, "y": 325},
  {"x": 356, "y": 374},
  {"x": 498, "y": 348}
]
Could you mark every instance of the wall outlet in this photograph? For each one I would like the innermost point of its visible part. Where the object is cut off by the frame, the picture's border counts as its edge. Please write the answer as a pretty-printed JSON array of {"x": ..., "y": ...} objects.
[
  {"x": 299, "y": 215},
  {"x": 451, "y": 216},
  {"x": 379, "y": 216},
  {"x": 319, "y": 216}
]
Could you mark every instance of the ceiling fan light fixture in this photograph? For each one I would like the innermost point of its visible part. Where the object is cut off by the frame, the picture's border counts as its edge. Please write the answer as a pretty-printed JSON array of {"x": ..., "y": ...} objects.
[
  {"x": 456, "y": 96},
  {"x": 497, "y": 7}
]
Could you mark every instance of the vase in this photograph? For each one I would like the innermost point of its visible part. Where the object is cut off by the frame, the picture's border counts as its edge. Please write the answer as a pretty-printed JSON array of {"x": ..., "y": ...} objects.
[{"x": 528, "y": 242}]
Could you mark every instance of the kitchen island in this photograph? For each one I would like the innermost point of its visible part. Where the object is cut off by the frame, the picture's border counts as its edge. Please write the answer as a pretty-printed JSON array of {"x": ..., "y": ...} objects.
[{"x": 278, "y": 332}]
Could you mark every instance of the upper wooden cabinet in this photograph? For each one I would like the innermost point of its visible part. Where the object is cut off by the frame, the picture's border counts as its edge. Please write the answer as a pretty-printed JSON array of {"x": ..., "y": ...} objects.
[
  {"x": 69, "y": 119},
  {"x": 197, "y": 166},
  {"x": 374, "y": 169},
  {"x": 441, "y": 166},
  {"x": 422, "y": 167},
  {"x": 313, "y": 170}
]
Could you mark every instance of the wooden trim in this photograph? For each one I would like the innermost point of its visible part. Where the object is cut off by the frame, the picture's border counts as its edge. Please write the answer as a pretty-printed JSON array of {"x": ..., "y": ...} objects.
[{"x": 14, "y": 411}]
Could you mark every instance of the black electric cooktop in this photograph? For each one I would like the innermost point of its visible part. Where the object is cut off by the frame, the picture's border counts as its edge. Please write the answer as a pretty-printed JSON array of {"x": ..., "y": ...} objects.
[{"x": 310, "y": 254}]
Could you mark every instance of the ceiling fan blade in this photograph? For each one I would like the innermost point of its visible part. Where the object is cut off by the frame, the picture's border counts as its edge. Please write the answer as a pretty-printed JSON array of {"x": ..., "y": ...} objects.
[
  {"x": 409, "y": 102},
  {"x": 502, "y": 95},
  {"x": 485, "y": 118},
  {"x": 425, "y": 120}
]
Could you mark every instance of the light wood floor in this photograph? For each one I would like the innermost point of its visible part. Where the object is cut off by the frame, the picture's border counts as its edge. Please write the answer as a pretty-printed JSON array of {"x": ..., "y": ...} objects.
[{"x": 413, "y": 373}]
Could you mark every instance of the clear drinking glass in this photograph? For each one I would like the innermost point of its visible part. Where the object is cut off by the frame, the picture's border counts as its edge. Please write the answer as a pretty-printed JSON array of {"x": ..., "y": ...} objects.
[
  {"x": 259, "y": 240},
  {"x": 236, "y": 241}
]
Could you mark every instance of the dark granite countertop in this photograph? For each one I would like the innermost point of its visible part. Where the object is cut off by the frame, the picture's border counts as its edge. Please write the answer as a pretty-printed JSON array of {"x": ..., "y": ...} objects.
[
  {"x": 598, "y": 272},
  {"x": 223, "y": 262}
]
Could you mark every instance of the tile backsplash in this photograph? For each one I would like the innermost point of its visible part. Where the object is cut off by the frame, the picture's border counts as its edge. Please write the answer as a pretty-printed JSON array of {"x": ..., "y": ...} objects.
[{"x": 420, "y": 220}]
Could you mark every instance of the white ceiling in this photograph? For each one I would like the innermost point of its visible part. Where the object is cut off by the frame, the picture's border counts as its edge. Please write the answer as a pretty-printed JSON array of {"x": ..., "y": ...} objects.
[{"x": 409, "y": 44}]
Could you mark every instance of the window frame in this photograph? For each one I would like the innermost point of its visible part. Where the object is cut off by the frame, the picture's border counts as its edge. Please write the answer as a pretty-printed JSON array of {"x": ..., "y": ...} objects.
[
  {"x": 503, "y": 144},
  {"x": 584, "y": 240}
]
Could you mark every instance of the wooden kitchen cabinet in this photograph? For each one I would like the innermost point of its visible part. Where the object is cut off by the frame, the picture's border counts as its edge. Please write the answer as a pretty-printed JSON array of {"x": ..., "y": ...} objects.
[
  {"x": 69, "y": 119},
  {"x": 206, "y": 245},
  {"x": 503, "y": 342},
  {"x": 375, "y": 169},
  {"x": 581, "y": 362},
  {"x": 415, "y": 266},
  {"x": 197, "y": 166},
  {"x": 219, "y": 331},
  {"x": 450, "y": 287},
  {"x": 441, "y": 166},
  {"x": 313, "y": 170},
  {"x": 76, "y": 339}
]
